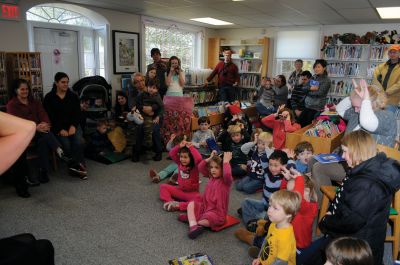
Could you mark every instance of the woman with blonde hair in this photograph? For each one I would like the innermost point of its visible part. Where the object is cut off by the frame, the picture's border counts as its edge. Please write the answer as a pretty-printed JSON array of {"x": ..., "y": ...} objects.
[
  {"x": 361, "y": 206},
  {"x": 364, "y": 110}
]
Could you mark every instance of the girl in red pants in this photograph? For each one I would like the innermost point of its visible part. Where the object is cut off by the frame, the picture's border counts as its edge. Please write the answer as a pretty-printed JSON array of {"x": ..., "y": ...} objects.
[
  {"x": 211, "y": 210},
  {"x": 177, "y": 197}
]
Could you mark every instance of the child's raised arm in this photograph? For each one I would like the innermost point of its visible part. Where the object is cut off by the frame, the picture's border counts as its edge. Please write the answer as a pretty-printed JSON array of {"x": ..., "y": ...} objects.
[
  {"x": 227, "y": 170},
  {"x": 195, "y": 153},
  {"x": 174, "y": 154}
]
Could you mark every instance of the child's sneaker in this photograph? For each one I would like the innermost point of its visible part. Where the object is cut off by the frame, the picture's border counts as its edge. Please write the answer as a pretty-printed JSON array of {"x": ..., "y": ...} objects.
[
  {"x": 171, "y": 206},
  {"x": 62, "y": 156},
  {"x": 155, "y": 178},
  {"x": 183, "y": 218},
  {"x": 173, "y": 180},
  {"x": 195, "y": 231}
]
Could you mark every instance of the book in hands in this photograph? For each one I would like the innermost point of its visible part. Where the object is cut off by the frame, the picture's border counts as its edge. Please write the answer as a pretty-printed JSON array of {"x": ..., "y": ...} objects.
[
  {"x": 328, "y": 158},
  {"x": 212, "y": 145}
]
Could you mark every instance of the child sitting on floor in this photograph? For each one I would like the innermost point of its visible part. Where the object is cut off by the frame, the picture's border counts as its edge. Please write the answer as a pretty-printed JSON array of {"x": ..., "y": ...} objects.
[
  {"x": 281, "y": 123},
  {"x": 99, "y": 144},
  {"x": 302, "y": 153},
  {"x": 200, "y": 136},
  {"x": 212, "y": 209},
  {"x": 172, "y": 169},
  {"x": 256, "y": 209},
  {"x": 186, "y": 156},
  {"x": 239, "y": 159},
  {"x": 279, "y": 246},
  {"x": 258, "y": 163},
  {"x": 349, "y": 251}
]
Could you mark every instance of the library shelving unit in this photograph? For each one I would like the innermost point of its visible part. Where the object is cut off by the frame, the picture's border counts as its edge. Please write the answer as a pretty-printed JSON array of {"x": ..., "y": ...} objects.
[
  {"x": 351, "y": 61},
  {"x": 251, "y": 57},
  {"x": 26, "y": 65},
  {"x": 3, "y": 81}
]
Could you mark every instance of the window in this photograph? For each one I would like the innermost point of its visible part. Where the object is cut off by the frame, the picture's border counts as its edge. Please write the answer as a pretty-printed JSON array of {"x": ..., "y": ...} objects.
[
  {"x": 293, "y": 45},
  {"x": 173, "y": 40},
  {"x": 57, "y": 15}
]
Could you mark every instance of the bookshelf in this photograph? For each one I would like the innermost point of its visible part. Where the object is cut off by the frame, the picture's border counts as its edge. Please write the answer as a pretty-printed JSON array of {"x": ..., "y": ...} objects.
[
  {"x": 26, "y": 65},
  {"x": 351, "y": 61},
  {"x": 3, "y": 81}
]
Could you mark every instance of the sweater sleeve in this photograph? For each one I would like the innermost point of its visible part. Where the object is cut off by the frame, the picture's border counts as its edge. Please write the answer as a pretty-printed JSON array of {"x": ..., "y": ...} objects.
[
  {"x": 203, "y": 168},
  {"x": 343, "y": 106},
  {"x": 227, "y": 174},
  {"x": 214, "y": 72},
  {"x": 43, "y": 117},
  {"x": 368, "y": 119},
  {"x": 196, "y": 155},
  {"x": 289, "y": 127},
  {"x": 174, "y": 154},
  {"x": 246, "y": 148},
  {"x": 269, "y": 121},
  {"x": 323, "y": 90}
]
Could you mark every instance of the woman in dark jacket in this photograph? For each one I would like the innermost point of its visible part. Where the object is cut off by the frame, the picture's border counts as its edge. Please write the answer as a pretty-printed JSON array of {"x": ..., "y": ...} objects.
[
  {"x": 317, "y": 90},
  {"x": 362, "y": 203}
]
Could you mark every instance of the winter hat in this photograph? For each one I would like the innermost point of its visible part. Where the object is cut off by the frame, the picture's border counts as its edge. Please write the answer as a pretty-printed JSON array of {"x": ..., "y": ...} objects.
[{"x": 395, "y": 47}]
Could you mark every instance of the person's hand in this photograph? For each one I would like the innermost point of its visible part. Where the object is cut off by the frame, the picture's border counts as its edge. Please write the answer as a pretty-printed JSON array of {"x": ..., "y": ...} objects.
[
  {"x": 243, "y": 166},
  {"x": 43, "y": 127},
  {"x": 314, "y": 88},
  {"x": 147, "y": 109},
  {"x": 227, "y": 157},
  {"x": 172, "y": 137},
  {"x": 189, "y": 144},
  {"x": 72, "y": 130},
  {"x": 63, "y": 133},
  {"x": 286, "y": 173},
  {"x": 362, "y": 91},
  {"x": 156, "y": 120},
  {"x": 290, "y": 152},
  {"x": 279, "y": 109},
  {"x": 235, "y": 84},
  {"x": 182, "y": 144},
  {"x": 294, "y": 172},
  {"x": 256, "y": 262},
  {"x": 255, "y": 138}
]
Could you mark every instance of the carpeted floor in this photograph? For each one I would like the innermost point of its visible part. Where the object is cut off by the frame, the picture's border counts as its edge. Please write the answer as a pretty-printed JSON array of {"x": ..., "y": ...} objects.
[{"x": 113, "y": 218}]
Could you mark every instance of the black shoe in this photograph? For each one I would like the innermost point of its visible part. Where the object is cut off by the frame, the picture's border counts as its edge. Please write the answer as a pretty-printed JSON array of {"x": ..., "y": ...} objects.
[
  {"x": 32, "y": 181},
  {"x": 239, "y": 212},
  {"x": 135, "y": 157},
  {"x": 157, "y": 157},
  {"x": 43, "y": 177},
  {"x": 251, "y": 225},
  {"x": 23, "y": 193}
]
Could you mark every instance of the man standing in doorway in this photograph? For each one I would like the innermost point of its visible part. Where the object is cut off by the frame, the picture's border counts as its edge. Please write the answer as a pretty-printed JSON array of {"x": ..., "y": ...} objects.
[
  {"x": 228, "y": 77},
  {"x": 161, "y": 69},
  {"x": 387, "y": 76}
]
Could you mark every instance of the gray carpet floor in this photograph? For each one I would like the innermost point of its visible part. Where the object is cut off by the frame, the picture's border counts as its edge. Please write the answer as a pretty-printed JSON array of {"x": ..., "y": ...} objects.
[{"x": 115, "y": 217}]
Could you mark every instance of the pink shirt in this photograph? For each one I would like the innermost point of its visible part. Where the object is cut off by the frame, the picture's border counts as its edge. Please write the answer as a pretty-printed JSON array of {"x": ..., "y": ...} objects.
[{"x": 280, "y": 128}]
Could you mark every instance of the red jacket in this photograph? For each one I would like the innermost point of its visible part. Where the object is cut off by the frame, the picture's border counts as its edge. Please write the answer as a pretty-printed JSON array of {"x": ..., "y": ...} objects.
[
  {"x": 280, "y": 128},
  {"x": 188, "y": 178},
  {"x": 227, "y": 76},
  {"x": 34, "y": 111},
  {"x": 304, "y": 219}
]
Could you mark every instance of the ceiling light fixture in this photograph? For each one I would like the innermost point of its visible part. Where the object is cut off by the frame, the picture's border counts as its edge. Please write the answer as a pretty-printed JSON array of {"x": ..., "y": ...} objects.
[
  {"x": 388, "y": 12},
  {"x": 211, "y": 21}
]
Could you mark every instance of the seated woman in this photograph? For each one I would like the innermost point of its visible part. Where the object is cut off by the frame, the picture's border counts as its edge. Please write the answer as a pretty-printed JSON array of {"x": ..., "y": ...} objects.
[
  {"x": 363, "y": 110},
  {"x": 121, "y": 109},
  {"x": 361, "y": 206},
  {"x": 62, "y": 106},
  {"x": 23, "y": 105}
]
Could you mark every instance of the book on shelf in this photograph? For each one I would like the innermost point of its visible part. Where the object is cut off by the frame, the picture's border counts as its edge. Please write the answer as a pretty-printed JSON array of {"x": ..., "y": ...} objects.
[{"x": 328, "y": 158}]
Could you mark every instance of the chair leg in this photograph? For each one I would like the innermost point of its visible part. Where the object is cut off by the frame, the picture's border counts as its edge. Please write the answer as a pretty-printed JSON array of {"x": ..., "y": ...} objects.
[
  {"x": 396, "y": 235},
  {"x": 322, "y": 211}
]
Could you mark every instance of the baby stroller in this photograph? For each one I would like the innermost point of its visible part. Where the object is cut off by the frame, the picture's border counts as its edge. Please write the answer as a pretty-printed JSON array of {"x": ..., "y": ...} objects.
[{"x": 98, "y": 91}]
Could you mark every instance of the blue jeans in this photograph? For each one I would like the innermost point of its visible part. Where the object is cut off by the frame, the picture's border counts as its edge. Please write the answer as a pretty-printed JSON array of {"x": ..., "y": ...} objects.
[
  {"x": 314, "y": 253},
  {"x": 237, "y": 171},
  {"x": 262, "y": 110},
  {"x": 227, "y": 93},
  {"x": 73, "y": 146},
  {"x": 249, "y": 185},
  {"x": 392, "y": 108},
  {"x": 253, "y": 209},
  {"x": 168, "y": 171}
]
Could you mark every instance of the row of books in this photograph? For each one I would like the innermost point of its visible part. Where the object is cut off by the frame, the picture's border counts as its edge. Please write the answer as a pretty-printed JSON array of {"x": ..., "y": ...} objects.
[
  {"x": 202, "y": 96},
  {"x": 199, "y": 111},
  {"x": 334, "y": 100},
  {"x": 341, "y": 87},
  {"x": 346, "y": 52},
  {"x": 323, "y": 129},
  {"x": 343, "y": 69},
  {"x": 249, "y": 80},
  {"x": 379, "y": 53},
  {"x": 249, "y": 66}
]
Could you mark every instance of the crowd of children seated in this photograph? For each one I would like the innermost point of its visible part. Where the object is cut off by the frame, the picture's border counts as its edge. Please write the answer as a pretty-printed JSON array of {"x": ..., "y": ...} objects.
[{"x": 278, "y": 225}]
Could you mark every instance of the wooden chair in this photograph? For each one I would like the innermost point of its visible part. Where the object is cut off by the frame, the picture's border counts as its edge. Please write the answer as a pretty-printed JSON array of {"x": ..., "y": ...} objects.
[{"x": 394, "y": 219}]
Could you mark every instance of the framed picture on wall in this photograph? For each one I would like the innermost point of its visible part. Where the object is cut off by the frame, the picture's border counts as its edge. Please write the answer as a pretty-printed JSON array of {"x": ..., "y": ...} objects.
[{"x": 125, "y": 52}]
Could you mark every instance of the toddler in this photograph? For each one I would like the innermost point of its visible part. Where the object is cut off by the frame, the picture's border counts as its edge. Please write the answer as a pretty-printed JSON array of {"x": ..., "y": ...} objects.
[
  {"x": 200, "y": 136},
  {"x": 281, "y": 122},
  {"x": 255, "y": 209},
  {"x": 99, "y": 144},
  {"x": 186, "y": 156},
  {"x": 172, "y": 169},
  {"x": 258, "y": 163},
  {"x": 212, "y": 209},
  {"x": 279, "y": 246},
  {"x": 265, "y": 104},
  {"x": 349, "y": 251},
  {"x": 302, "y": 153},
  {"x": 239, "y": 159}
]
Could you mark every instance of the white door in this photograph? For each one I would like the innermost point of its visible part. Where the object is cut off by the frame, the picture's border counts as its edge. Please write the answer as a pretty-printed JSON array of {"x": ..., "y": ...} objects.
[{"x": 59, "y": 53}]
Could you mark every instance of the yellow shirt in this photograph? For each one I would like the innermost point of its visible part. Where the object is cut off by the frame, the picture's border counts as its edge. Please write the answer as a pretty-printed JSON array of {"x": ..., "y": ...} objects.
[{"x": 279, "y": 243}]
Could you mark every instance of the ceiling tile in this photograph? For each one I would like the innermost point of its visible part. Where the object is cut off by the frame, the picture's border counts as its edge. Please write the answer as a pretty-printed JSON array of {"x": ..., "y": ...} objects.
[
  {"x": 384, "y": 3},
  {"x": 340, "y": 4}
]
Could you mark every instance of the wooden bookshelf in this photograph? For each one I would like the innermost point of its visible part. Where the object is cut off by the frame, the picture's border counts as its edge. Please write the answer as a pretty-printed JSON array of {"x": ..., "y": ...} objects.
[{"x": 26, "y": 65}]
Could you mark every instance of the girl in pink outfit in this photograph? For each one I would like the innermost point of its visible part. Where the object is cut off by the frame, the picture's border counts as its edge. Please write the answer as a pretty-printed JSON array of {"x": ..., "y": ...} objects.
[
  {"x": 281, "y": 122},
  {"x": 211, "y": 210},
  {"x": 177, "y": 197}
]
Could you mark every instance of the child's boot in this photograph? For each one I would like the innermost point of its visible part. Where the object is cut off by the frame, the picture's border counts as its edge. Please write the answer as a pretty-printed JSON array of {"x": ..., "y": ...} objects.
[
  {"x": 155, "y": 178},
  {"x": 195, "y": 231},
  {"x": 243, "y": 235}
]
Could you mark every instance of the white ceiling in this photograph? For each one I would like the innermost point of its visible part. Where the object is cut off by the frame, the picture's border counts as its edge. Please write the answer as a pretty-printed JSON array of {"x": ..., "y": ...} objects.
[{"x": 254, "y": 13}]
